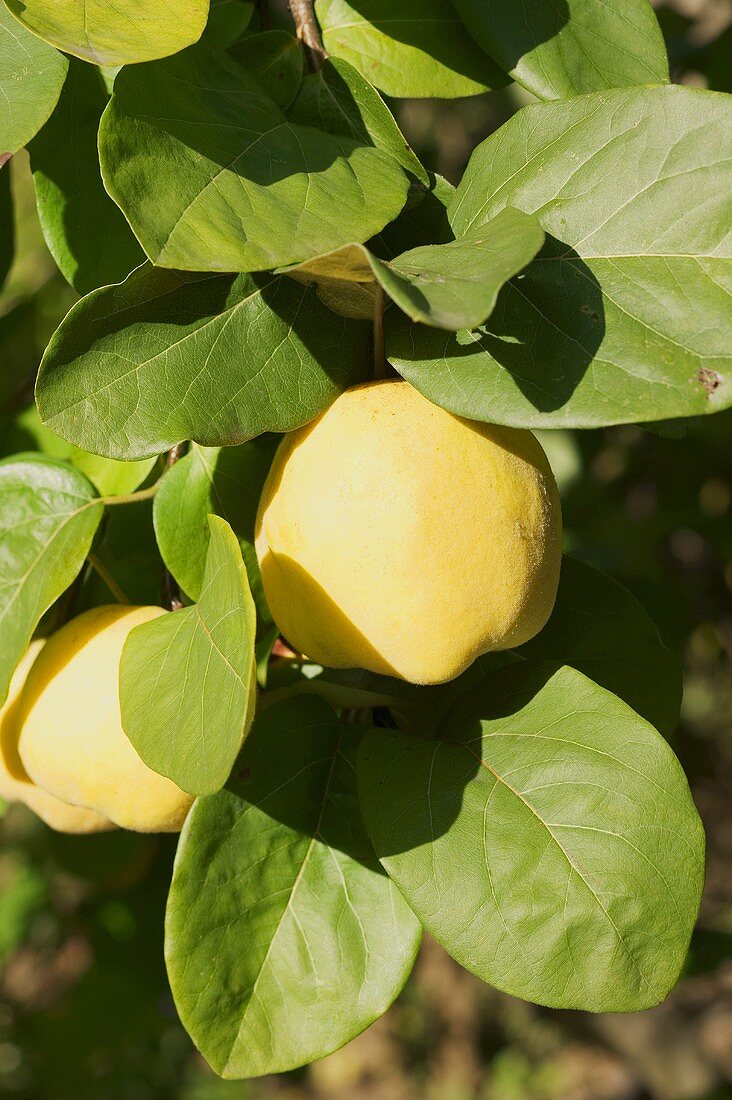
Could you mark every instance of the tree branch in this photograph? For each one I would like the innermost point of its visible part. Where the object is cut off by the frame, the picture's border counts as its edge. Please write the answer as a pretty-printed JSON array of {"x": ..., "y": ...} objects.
[{"x": 308, "y": 31}]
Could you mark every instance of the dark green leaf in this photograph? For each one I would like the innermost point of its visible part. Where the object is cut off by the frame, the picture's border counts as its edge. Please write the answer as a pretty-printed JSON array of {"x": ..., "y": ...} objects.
[
  {"x": 346, "y": 688},
  {"x": 283, "y": 939},
  {"x": 419, "y": 48},
  {"x": 86, "y": 233},
  {"x": 424, "y": 220},
  {"x": 599, "y": 627},
  {"x": 48, "y": 516},
  {"x": 186, "y": 680},
  {"x": 127, "y": 550},
  {"x": 226, "y": 481},
  {"x": 107, "y": 33},
  {"x": 561, "y": 49},
  {"x": 625, "y": 314},
  {"x": 212, "y": 176},
  {"x": 32, "y": 74},
  {"x": 227, "y": 21},
  {"x": 275, "y": 60},
  {"x": 339, "y": 100},
  {"x": 548, "y": 840},
  {"x": 168, "y": 356}
]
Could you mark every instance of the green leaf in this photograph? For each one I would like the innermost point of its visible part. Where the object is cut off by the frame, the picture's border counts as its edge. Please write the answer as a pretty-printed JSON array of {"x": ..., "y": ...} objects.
[
  {"x": 186, "y": 680},
  {"x": 275, "y": 60},
  {"x": 455, "y": 285},
  {"x": 548, "y": 840},
  {"x": 48, "y": 516},
  {"x": 127, "y": 550},
  {"x": 212, "y": 176},
  {"x": 86, "y": 233},
  {"x": 424, "y": 50},
  {"x": 33, "y": 74},
  {"x": 227, "y": 21},
  {"x": 108, "y": 476},
  {"x": 283, "y": 939},
  {"x": 559, "y": 50},
  {"x": 168, "y": 356},
  {"x": 448, "y": 286},
  {"x": 226, "y": 481},
  {"x": 625, "y": 314},
  {"x": 424, "y": 220},
  {"x": 7, "y": 224},
  {"x": 339, "y": 100},
  {"x": 599, "y": 627},
  {"x": 112, "y": 33}
]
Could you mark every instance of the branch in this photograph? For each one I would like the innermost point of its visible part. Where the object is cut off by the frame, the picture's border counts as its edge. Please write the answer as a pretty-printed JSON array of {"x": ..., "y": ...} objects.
[{"x": 308, "y": 31}]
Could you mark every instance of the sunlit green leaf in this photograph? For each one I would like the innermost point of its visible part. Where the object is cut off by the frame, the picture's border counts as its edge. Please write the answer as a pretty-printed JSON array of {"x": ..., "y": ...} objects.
[
  {"x": 187, "y": 678},
  {"x": 547, "y": 839},
  {"x": 558, "y": 50},
  {"x": 449, "y": 286},
  {"x": 339, "y": 100},
  {"x": 625, "y": 314},
  {"x": 283, "y": 939},
  {"x": 32, "y": 76},
  {"x": 219, "y": 359},
  {"x": 212, "y": 176},
  {"x": 114, "y": 33},
  {"x": 226, "y": 481},
  {"x": 48, "y": 516},
  {"x": 455, "y": 285},
  {"x": 415, "y": 48}
]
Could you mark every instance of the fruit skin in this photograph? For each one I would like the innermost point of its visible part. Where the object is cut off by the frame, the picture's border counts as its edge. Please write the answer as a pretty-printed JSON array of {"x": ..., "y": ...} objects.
[
  {"x": 71, "y": 737},
  {"x": 15, "y": 783},
  {"x": 396, "y": 537}
]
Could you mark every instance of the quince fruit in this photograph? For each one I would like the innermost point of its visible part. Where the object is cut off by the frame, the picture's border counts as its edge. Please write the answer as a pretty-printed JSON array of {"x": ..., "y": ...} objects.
[
  {"x": 71, "y": 738},
  {"x": 396, "y": 537}
]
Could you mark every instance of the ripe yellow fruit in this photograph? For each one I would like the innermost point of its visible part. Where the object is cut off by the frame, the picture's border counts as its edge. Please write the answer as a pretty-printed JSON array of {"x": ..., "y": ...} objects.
[
  {"x": 394, "y": 536},
  {"x": 71, "y": 737},
  {"x": 15, "y": 783}
]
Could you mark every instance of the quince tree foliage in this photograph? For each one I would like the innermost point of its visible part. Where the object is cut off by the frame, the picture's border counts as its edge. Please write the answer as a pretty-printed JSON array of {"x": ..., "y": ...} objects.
[{"x": 370, "y": 687}]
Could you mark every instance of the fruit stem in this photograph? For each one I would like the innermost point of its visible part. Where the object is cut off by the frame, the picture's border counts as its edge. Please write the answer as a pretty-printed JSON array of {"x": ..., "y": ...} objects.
[
  {"x": 379, "y": 351},
  {"x": 100, "y": 568}
]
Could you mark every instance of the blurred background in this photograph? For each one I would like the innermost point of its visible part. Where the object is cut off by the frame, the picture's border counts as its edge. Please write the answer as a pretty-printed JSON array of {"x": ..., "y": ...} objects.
[{"x": 85, "y": 1010}]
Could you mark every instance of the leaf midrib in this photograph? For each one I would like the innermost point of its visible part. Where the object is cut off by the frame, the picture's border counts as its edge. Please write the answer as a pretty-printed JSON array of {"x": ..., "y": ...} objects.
[
  {"x": 296, "y": 882},
  {"x": 545, "y": 825}
]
